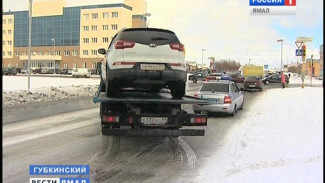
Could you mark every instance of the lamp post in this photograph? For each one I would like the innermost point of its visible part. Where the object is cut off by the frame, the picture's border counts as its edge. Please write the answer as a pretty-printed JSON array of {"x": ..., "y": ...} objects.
[
  {"x": 146, "y": 15},
  {"x": 53, "y": 52},
  {"x": 202, "y": 59},
  {"x": 29, "y": 40},
  {"x": 281, "y": 40}
]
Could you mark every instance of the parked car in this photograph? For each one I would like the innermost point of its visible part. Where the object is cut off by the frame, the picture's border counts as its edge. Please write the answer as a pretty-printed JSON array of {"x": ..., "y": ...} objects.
[
  {"x": 226, "y": 94},
  {"x": 9, "y": 71},
  {"x": 23, "y": 71},
  {"x": 94, "y": 72},
  {"x": 147, "y": 58},
  {"x": 18, "y": 70},
  {"x": 218, "y": 76},
  {"x": 37, "y": 71},
  {"x": 70, "y": 71},
  {"x": 199, "y": 76},
  {"x": 81, "y": 72},
  {"x": 237, "y": 78},
  {"x": 275, "y": 78},
  {"x": 64, "y": 71},
  {"x": 253, "y": 82}
]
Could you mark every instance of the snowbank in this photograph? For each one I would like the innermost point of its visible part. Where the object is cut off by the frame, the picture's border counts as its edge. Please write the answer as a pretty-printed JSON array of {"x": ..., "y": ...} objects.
[{"x": 12, "y": 98}]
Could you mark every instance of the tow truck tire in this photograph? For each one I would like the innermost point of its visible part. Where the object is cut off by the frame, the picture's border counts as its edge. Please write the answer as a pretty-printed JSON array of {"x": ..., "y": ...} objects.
[{"x": 178, "y": 90}]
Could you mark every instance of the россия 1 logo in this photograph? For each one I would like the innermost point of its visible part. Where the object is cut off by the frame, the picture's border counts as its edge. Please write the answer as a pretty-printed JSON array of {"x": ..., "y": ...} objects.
[{"x": 272, "y": 7}]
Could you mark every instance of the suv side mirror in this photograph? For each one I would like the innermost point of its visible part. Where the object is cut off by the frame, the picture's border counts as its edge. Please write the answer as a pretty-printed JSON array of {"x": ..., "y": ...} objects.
[{"x": 102, "y": 51}]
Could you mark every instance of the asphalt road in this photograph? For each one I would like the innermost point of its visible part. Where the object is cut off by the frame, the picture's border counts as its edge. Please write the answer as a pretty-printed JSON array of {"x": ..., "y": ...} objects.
[{"x": 74, "y": 137}]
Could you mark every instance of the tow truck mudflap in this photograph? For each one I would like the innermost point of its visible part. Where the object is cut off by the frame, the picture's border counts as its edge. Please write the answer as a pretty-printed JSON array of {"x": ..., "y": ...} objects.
[{"x": 153, "y": 132}]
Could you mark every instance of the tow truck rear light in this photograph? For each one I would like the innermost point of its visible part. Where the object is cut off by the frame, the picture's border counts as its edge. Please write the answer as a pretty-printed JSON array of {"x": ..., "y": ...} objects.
[
  {"x": 121, "y": 44},
  {"x": 177, "y": 46},
  {"x": 111, "y": 119},
  {"x": 227, "y": 100},
  {"x": 199, "y": 120}
]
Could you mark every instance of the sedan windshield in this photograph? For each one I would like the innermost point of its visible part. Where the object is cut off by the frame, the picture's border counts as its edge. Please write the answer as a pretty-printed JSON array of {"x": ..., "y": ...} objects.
[{"x": 216, "y": 87}]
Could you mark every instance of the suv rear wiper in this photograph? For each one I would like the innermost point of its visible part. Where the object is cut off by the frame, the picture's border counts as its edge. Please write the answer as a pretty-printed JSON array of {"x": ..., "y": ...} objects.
[{"x": 158, "y": 38}]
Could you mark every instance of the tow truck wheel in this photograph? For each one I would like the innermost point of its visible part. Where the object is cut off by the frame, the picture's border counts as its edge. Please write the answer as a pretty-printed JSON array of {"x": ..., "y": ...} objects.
[{"x": 178, "y": 90}]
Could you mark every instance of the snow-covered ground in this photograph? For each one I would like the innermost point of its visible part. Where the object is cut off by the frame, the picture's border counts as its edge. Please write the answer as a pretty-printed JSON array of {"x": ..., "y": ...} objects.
[
  {"x": 45, "y": 89},
  {"x": 279, "y": 139}
]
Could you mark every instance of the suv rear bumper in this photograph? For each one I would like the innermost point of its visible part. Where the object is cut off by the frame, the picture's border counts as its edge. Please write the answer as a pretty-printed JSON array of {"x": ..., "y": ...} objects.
[{"x": 131, "y": 77}]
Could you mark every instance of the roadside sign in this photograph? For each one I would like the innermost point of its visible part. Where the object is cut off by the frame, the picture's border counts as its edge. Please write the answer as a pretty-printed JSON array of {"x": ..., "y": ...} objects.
[
  {"x": 299, "y": 44},
  {"x": 305, "y": 39},
  {"x": 299, "y": 52}
]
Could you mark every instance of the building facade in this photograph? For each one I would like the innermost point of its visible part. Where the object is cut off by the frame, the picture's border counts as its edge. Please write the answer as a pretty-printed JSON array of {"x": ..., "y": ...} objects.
[
  {"x": 321, "y": 62},
  {"x": 67, "y": 37}
]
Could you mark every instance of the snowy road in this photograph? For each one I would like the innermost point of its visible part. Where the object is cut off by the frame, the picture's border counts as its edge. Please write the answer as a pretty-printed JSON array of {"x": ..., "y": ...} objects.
[{"x": 278, "y": 137}]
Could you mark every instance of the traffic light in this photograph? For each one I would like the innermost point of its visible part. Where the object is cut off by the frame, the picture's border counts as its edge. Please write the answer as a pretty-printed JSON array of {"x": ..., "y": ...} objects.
[{"x": 303, "y": 50}]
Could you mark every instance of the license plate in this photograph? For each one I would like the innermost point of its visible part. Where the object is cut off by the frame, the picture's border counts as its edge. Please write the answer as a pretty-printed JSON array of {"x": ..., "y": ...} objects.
[
  {"x": 152, "y": 67},
  {"x": 154, "y": 120},
  {"x": 251, "y": 85}
]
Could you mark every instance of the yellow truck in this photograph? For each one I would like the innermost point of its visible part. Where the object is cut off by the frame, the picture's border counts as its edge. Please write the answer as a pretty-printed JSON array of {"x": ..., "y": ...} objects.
[{"x": 253, "y": 71}]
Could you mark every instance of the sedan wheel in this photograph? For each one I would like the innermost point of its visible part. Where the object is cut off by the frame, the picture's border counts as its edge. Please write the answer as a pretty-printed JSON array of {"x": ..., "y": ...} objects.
[
  {"x": 234, "y": 111},
  {"x": 267, "y": 82}
]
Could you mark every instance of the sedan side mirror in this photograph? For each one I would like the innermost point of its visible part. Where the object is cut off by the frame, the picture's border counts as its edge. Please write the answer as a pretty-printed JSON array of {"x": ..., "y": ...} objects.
[{"x": 102, "y": 51}]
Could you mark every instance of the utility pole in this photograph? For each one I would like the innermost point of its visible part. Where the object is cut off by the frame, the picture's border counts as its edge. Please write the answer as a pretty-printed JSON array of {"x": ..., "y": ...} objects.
[{"x": 29, "y": 40}]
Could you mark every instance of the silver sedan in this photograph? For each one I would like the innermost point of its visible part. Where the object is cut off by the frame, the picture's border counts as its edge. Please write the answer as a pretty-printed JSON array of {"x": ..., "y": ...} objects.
[{"x": 227, "y": 96}]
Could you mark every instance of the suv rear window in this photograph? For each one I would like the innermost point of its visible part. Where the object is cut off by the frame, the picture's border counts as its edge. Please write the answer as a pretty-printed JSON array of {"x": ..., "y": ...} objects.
[
  {"x": 149, "y": 36},
  {"x": 217, "y": 87}
]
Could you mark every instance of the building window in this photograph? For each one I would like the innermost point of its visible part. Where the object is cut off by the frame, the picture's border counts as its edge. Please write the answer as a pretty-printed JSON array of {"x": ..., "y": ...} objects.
[
  {"x": 66, "y": 52},
  {"x": 9, "y": 42},
  {"x": 4, "y": 21},
  {"x": 114, "y": 14},
  {"x": 85, "y": 52},
  {"x": 9, "y": 53},
  {"x": 74, "y": 65},
  {"x": 94, "y": 27},
  {"x": 65, "y": 65},
  {"x": 84, "y": 65},
  {"x": 3, "y": 42},
  {"x": 17, "y": 53},
  {"x": 9, "y": 31},
  {"x": 94, "y": 40},
  {"x": 86, "y": 28},
  {"x": 94, "y": 52},
  {"x": 94, "y": 15},
  {"x": 93, "y": 66},
  {"x": 9, "y": 21},
  {"x": 105, "y": 27},
  {"x": 17, "y": 65},
  {"x": 3, "y": 53},
  {"x": 105, "y": 15},
  {"x": 74, "y": 53},
  {"x": 3, "y": 32},
  {"x": 86, "y": 40},
  {"x": 114, "y": 27},
  {"x": 57, "y": 52},
  {"x": 86, "y": 16},
  {"x": 105, "y": 39},
  {"x": 40, "y": 53}
]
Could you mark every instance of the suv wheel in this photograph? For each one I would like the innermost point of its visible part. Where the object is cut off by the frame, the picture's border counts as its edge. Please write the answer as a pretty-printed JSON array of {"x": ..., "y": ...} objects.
[
  {"x": 111, "y": 88},
  {"x": 194, "y": 80},
  {"x": 178, "y": 89}
]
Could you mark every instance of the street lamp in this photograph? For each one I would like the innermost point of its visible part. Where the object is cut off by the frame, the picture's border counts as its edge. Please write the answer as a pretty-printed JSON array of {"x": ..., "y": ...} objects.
[
  {"x": 146, "y": 15},
  {"x": 202, "y": 59},
  {"x": 53, "y": 52},
  {"x": 281, "y": 40},
  {"x": 29, "y": 39}
]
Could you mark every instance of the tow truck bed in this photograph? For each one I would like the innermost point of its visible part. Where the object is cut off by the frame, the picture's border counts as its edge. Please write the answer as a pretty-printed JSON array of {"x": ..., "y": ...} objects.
[{"x": 135, "y": 113}]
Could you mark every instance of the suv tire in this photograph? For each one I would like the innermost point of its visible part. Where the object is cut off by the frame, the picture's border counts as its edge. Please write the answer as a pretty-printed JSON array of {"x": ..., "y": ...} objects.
[{"x": 178, "y": 89}]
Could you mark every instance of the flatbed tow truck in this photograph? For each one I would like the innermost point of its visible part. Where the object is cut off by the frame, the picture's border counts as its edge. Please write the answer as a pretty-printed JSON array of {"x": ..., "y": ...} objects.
[{"x": 136, "y": 113}]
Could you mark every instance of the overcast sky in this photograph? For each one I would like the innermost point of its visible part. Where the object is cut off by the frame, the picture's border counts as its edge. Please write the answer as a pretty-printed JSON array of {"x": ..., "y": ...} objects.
[{"x": 226, "y": 30}]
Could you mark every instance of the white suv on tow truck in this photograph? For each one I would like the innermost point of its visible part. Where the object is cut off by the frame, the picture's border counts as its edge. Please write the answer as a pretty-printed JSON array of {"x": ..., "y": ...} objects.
[{"x": 144, "y": 58}]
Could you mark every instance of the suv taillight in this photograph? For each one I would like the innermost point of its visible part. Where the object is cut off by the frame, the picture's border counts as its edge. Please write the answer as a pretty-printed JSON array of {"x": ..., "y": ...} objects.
[
  {"x": 121, "y": 44},
  {"x": 177, "y": 46},
  {"x": 227, "y": 100}
]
